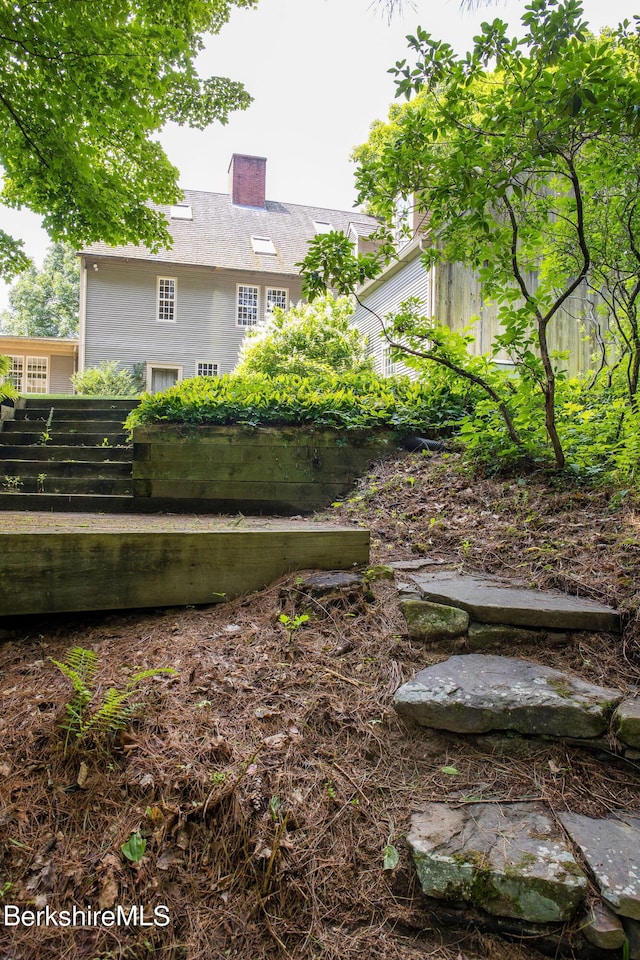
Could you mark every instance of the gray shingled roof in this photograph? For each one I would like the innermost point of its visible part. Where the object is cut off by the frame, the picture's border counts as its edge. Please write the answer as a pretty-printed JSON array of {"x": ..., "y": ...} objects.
[{"x": 220, "y": 234}]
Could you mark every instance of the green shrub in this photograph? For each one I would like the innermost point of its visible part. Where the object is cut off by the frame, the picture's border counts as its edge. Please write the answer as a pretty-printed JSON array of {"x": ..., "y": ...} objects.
[
  {"x": 349, "y": 401},
  {"x": 105, "y": 380},
  {"x": 598, "y": 428},
  {"x": 308, "y": 340},
  {"x": 7, "y": 389}
]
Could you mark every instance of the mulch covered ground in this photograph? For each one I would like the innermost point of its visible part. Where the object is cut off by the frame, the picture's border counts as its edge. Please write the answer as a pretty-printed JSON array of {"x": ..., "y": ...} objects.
[{"x": 268, "y": 776}]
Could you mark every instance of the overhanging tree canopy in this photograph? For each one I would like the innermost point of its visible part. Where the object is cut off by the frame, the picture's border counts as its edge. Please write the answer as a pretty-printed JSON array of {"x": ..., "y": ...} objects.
[
  {"x": 511, "y": 154},
  {"x": 84, "y": 87},
  {"x": 44, "y": 302}
]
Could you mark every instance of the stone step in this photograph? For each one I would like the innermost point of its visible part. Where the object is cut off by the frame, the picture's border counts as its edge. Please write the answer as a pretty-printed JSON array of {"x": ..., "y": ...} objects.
[
  {"x": 476, "y": 693},
  {"x": 611, "y": 849},
  {"x": 493, "y": 600},
  {"x": 510, "y": 860}
]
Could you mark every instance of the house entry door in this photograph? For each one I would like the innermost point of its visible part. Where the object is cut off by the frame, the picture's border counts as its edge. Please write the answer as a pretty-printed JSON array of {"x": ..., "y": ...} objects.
[{"x": 162, "y": 378}]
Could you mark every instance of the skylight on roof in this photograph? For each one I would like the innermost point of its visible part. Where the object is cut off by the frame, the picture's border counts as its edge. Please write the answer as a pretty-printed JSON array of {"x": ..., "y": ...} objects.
[
  {"x": 263, "y": 245},
  {"x": 181, "y": 211},
  {"x": 322, "y": 226}
]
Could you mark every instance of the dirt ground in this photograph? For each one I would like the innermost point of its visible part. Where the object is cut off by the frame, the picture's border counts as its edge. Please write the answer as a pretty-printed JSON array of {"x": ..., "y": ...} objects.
[{"x": 269, "y": 774}]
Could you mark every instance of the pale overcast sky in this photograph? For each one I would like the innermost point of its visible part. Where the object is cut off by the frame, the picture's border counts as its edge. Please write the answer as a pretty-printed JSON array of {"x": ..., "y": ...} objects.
[{"x": 317, "y": 70}]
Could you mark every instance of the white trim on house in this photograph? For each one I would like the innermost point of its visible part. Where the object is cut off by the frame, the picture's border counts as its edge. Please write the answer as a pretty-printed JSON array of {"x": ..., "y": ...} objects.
[
  {"x": 281, "y": 299},
  {"x": 36, "y": 374},
  {"x": 166, "y": 299},
  {"x": 151, "y": 366},
  {"x": 207, "y": 368},
  {"x": 247, "y": 304}
]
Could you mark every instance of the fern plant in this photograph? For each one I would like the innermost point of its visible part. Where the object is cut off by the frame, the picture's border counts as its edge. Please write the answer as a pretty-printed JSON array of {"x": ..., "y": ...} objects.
[{"x": 113, "y": 711}]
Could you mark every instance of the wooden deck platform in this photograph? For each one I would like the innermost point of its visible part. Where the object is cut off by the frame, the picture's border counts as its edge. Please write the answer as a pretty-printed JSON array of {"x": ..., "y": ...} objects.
[{"x": 55, "y": 563}]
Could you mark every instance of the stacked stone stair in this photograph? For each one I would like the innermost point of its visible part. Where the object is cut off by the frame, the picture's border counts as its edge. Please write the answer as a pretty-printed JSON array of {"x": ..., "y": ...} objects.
[
  {"x": 518, "y": 868},
  {"x": 67, "y": 454}
]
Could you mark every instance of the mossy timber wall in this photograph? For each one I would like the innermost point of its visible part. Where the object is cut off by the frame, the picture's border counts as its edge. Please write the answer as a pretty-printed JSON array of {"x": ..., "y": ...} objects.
[
  {"x": 277, "y": 470},
  {"x": 59, "y": 570}
]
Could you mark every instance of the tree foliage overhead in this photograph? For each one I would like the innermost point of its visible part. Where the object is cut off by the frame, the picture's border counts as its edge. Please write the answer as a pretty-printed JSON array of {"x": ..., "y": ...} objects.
[
  {"x": 306, "y": 340},
  {"x": 84, "y": 89},
  {"x": 45, "y": 302},
  {"x": 520, "y": 157}
]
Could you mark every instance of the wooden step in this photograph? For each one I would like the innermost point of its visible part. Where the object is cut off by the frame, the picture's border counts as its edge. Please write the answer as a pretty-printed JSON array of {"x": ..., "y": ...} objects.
[
  {"x": 63, "y": 563},
  {"x": 52, "y": 451},
  {"x": 65, "y": 468},
  {"x": 70, "y": 503},
  {"x": 45, "y": 483},
  {"x": 65, "y": 438}
]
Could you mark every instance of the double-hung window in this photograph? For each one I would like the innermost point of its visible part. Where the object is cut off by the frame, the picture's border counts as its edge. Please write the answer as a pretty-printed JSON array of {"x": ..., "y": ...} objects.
[
  {"x": 16, "y": 371},
  {"x": 247, "y": 305},
  {"x": 275, "y": 297},
  {"x": 37, "y": 375},
  {"x": 167, "y": 287}
]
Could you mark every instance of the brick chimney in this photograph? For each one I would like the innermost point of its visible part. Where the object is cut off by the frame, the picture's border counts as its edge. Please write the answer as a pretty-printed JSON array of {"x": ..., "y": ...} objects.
[{"x": 248, "y": 180}]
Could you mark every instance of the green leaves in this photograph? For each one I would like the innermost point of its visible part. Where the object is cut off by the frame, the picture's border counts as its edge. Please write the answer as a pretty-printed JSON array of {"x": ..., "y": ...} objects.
[
  {"x": 44, "y": 302},
  {"x": 348, "y": 401},
  {"x": 134, "y": 847},
  {"x": 106, "y": 380},
  {"x": 390, "y": 857},
  {"x": 83, "y": 92},
  {"x": 109, "y": 714},
  {"x": 308, "y": 340}
]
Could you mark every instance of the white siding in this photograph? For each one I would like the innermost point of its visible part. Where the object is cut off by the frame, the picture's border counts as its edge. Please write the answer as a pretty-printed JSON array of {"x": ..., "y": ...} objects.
[
  {"x": 451, "y": 293},
  {"x": 121, "y": 319},
  {"x": 379, "y": 299},
  {"x": 60, "y": 371}
]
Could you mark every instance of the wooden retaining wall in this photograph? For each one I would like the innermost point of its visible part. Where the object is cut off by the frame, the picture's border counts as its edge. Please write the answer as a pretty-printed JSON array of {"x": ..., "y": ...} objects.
[{"x": 288, "y": 470}]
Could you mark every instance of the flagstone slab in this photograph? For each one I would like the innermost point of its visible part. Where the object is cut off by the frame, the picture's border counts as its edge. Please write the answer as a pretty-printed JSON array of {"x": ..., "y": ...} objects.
[
  {"x": 494, "y": 600},
  {"x": 602, "y": 927},
  {"x": 507, "y": 859},
  {"x": 626, "y": 722},
  {"x": 433, "y": 621},
  {"x": 611, "y": 849},
  {"x": 476, "y": 693}
]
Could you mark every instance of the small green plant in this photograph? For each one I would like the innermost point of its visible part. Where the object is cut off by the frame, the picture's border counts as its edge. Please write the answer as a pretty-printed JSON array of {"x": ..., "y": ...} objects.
[
  {"x": 293, "y": 624},
  {"x": 12, "y": 484},
  {"x": 112, "y": 712},
  {"x": 40, "y": 481},
  {"x": 275, "y": 804},
  {"x": 134, "y": 847},
  {"x": 45, "y": 436},
  {"x": 105, "y": 442},
  {"x": 390, "y": 857}
]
